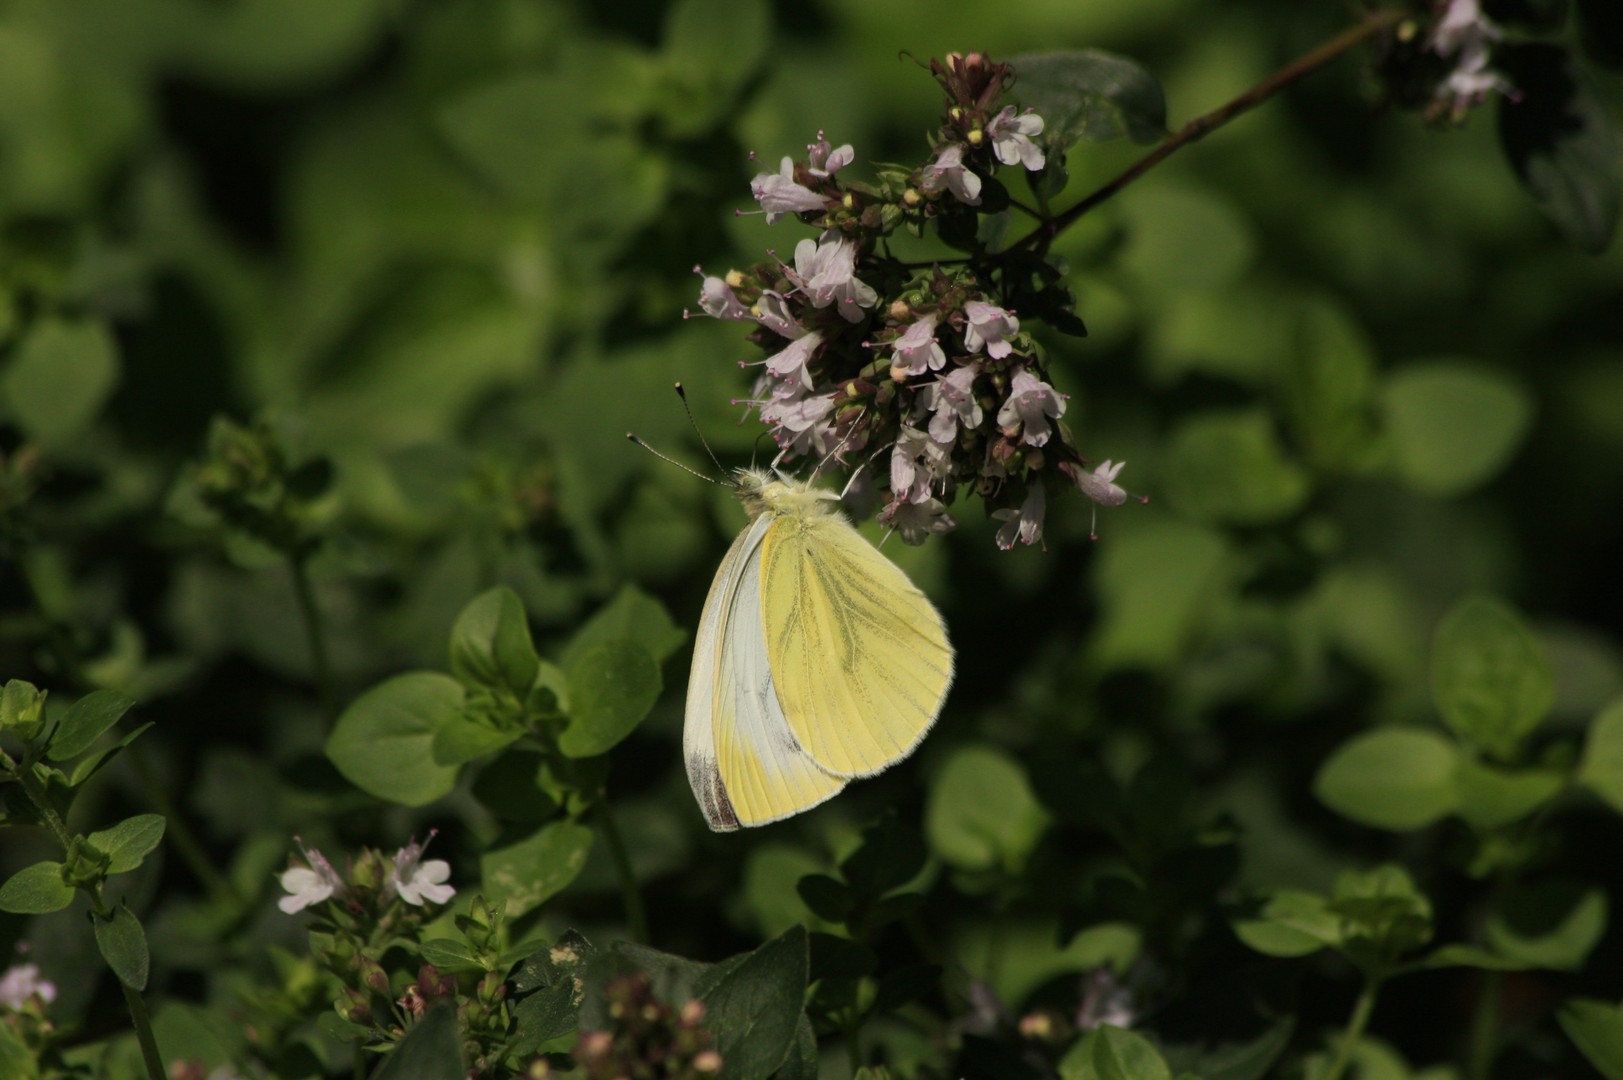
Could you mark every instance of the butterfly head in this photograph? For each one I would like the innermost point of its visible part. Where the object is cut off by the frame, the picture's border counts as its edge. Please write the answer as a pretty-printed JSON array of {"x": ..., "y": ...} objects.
[{"x": 773, "y": 492}]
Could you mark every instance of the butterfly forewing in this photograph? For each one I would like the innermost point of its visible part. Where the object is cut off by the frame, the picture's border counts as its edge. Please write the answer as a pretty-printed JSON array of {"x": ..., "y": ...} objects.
[
  {"x": 744, "y": 765},
  {"x": 859, "y": 655}
]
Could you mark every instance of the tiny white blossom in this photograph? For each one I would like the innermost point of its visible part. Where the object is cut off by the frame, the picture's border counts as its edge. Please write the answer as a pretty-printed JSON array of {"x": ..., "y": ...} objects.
[
  {"x": 990, "y": 326},
  {"x": 915, "y": 522},
  {"x": 772, "y": 311},
  {"x": 826, "y": 273},
  {"x": 309, "y": 885},
  {"x": 416, "y": 880},
  {"x": 949, "y": 171},
  {"x": 915, "y": 461},
  {"x": 917, "y": 350},
  {"x": 1025, "y": 524},
  {"x": 1100, "y": 484},
  {"x": 800, "y": 423},
  {"x": 1011, "y": 138},
  {"x": 717, "y": 300},
  {"x": 789, "y": 364},
  {"x": 779, "y": 193},
  {"x": 823, "y": 161},
  {"x": 952, "y": 400},
  {"x": 1030, "y": 404},
  {"x": 22, "y": 982},
  {"x": 1464, "y": 34}
]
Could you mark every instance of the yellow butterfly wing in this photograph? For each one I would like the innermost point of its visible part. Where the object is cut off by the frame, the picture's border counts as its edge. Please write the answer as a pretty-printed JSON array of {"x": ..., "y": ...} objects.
[
  {"x": 859, "y": 655},
  {"x": 743, "y": 762}
]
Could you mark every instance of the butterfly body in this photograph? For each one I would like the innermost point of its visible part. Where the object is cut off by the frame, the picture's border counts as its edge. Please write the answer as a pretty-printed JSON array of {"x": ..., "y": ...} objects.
[{"x": 817, "y": 662}]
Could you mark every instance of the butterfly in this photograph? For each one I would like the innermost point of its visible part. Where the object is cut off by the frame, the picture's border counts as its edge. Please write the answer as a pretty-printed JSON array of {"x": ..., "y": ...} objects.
[{"x": 817, "y": 661}]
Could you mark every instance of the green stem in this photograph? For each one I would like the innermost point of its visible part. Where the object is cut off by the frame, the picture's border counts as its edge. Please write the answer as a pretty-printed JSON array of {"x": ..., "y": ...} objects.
[
  {"x": 35, "y": 791},
  {"x": 1356, "y": 1023},
  {"x": 359, "y": 1061},
  {"x": 636, "y": 917},
  {"x": 1200, "y": 126},
  {"x": 143, "y": 1034},
  {"x": 313, "y": 630},
  {"x": 1485, "y": 1027},
  {"x": 853, "y": 1039}
]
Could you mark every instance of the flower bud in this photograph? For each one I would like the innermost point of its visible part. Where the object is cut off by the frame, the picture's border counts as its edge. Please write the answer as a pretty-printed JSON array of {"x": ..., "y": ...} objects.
[
  {"x": 22, "y": 710},
  {"x": 734, "y": 278},
  {"x": 707, "y": 1061},
  {"x": 911, "y": 198},
  {"x": 975, "y": 137}
]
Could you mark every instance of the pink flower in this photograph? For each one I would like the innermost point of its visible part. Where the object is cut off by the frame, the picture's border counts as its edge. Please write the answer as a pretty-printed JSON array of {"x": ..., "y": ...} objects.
[
  {"x": 1030, "y": 403},
  {"x": 800, "y": 424},
  {"x": 1100, "y": 484},
  {"x": 952, "y": 400},
  {"x": 949, "y": 171},
  {"x": 789, "y": 365},
  {"x": 990, "y": 326},
  {"x": 21, "y": 983},
  {"x": 309, "y": 886},
  {"x": 821, "y": 161},
  {"x": 826, "y": 272},
  {"x": 1465, "y": 34},
  {"x": 1025, "y": 524},
  {"x": 779, "y": 194},
  {"x": 772, "y": 311},
  {"x": 717, "y": 300},
  {"x": 416, "y": 880},
  {"x": 916, "y": 522},
  {"x": 917, "y": 349},
  {"x": 1011, "y": 138},
  {"x": 915, "y": 461}
]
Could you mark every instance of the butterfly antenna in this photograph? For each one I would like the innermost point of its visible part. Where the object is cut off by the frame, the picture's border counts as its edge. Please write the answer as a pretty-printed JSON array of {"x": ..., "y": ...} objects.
[
  {"x": 682, "y": 393},
  {"x": 634, "y": 437}
]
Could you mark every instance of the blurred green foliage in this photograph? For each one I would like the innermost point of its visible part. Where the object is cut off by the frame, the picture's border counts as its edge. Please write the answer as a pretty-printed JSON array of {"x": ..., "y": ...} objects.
[{"x": 322, "y": 325}]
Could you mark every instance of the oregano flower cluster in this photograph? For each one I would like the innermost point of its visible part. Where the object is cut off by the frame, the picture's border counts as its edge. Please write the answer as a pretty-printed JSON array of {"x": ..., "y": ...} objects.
[{"x": 920, "y": 375}]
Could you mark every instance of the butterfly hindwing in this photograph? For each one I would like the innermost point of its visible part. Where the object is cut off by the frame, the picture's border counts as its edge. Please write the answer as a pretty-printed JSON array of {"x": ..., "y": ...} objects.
[{"x": 859, "y": 655}]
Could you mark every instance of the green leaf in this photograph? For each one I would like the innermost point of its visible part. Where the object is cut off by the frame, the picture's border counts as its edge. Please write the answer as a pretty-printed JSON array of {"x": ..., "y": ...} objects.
[
  {"x": 632, "y": 616},
  {"x": 36, "y": 890},
  {"x": 1491, "y": 797},
  {"x": 450, "y": 954},
  {"x": 462, "y": 738},
  {"x": 130, "y": 841},
  {"x": 85, "y": 722},
  {"x": 981, "y": 812},
  {"x": 1489, "y": 676},
  {"x": 1091, "y": 94},
  {"x": 491, "y": 645},
  {"x": 801, "y": 1063},
  {"x": 1291, "y": 923},
  {"x": 17, "y": 1060},
  {"x": 1383, "y": 914},
  {"x": 1557, "y": 135},
  {"x": 828, "y": 898},
  {"x": 431, "y": 1050},
  {"x": 1110, "y": 1053},
  {"x": 552, "y": 979},
  {"x": 1548, "y": 924},
  {"x": 1446, "y": 956},
  {"x": 1601, "y": 767},
  {"x": 383, "y": 743},
  {"x": 525, "y": 873},
  {"x": 123, "y": 944},
  {"x": 755, "y": 1008},
  {"x": 58, "y": 379},
  {"x": 1230, "y": 467},
  {"x": 93, "y": 762},
  {"x": 1328, "y": 388},
  {"x": 1596, "y": 1029},
  {"x": 1453, "y": 425},
  {"x": 706, "y": 70},
  {"x": 1395, "y": 778},
  {"x": 612, "y": 686},
  {"x": 891, "y": 855}
]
